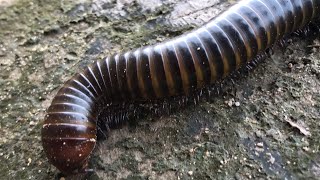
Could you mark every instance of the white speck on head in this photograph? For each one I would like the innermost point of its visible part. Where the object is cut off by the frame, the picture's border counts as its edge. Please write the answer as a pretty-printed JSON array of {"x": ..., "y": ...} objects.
[{"x": 92, "y": 140}]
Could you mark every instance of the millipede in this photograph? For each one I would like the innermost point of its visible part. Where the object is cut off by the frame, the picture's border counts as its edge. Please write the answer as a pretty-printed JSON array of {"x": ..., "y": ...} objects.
[{"x": 176, "y": 67}]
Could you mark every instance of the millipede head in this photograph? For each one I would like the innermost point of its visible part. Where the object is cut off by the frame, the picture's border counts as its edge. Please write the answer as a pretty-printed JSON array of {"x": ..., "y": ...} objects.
[
  {"x": 69, "y": 158},
  {"x": 68, "y": 146}
]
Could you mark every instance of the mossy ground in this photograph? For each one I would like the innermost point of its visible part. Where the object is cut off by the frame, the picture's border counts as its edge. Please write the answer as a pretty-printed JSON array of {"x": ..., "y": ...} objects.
[{"x": 265, "y": 126}]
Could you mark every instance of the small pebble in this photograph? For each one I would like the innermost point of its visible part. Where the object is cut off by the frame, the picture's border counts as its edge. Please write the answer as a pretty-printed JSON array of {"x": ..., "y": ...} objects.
[
  {"x": 306, "y": 148},
  {"x": 207, "y": 153},
  {"x": 272, "y": 160},
  {"x": 260, "y": 144},
  {"x": 206, "y": 130},
  {"x": 237, "y": 104},
  {"x": 29, "y": 161}
]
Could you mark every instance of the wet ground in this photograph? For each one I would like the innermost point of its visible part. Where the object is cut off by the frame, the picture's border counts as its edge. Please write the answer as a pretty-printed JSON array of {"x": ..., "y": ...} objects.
[{"x": 265, "y": 126}]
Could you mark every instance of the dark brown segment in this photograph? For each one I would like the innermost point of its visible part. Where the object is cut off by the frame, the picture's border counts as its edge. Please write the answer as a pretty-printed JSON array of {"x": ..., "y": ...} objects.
[
  {"x": 186, "y": 66},
  {"x": 69, "y": 107},
  {"x": 236, "y": 40},
  {"x": 105, "y": 75},
  {"x": 268, "y": 20},
  {"x": 298, "y": 13},
  {"x": 167, "y": 69},
  {"x": 200, "y": 60},
  {"x": 246, "y": 32},
  {"x": 132, "y": 75},
  {"x": 67, "y": 117},
  {"x": 279, "y": 16},
  {"x": 316, "y": 9},
  {"x": 72, "y": 99},
  {"x": 255, "y": 23},
  {"x": 75, "y": 83},
  {"x": 112, "y": 67},
  {"x": 213, "y": 53},
  {"x": 122, "y": 77},
  {"x": 96, "y": 73},
  {"x": 158, "y": 76},
  {"x": 289, "y": 16},
  {"x": 171, "y": 67},
  {"x": 307, "y": 11},
  {"x": 225, "y": 46},
  {"x": 83, "y": 80},
  {"x": 90, "y": 77},
  {"x": 67, "y": 130},
  {"x": 144, "y": 76}
]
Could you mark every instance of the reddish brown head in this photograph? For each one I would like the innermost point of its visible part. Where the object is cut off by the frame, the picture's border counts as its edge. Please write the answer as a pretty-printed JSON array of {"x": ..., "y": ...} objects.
[{"x": 68, "y": 146}]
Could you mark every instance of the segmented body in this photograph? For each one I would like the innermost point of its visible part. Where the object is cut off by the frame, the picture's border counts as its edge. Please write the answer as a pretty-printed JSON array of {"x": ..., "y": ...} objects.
[{"x": 179, "y": 66}]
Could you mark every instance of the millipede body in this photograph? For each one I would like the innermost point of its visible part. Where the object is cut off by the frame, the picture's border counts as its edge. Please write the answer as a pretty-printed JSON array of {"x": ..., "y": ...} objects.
[{"x": 180, "y": 66}]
